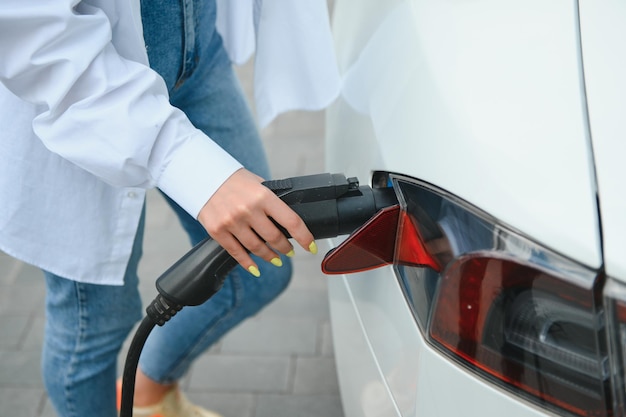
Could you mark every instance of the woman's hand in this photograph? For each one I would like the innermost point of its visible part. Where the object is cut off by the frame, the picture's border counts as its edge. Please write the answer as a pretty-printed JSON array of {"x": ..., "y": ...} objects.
[{"x": 238, "y": 215}]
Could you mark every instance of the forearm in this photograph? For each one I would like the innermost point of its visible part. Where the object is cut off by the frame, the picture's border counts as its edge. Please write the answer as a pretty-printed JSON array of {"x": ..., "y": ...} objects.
[{"x": 101, "y": 109}]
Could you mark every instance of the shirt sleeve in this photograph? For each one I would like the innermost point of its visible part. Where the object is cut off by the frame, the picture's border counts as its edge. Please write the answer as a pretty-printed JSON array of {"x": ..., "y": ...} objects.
[{"x": 99, "y": 105}]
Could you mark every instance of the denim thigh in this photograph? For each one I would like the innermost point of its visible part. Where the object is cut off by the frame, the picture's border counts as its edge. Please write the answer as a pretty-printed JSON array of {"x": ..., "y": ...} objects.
[
  {"x": 86, "y": 325},
  {"x": 185, "y": 48}
]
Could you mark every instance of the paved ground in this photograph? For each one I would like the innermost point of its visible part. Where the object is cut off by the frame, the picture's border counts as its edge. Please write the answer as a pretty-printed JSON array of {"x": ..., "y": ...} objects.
[{"x": 279, "y": 363}]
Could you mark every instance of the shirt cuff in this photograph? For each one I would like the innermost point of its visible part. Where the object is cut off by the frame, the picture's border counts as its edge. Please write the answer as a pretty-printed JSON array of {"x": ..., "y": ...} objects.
[{"x": 197, "y": 168}]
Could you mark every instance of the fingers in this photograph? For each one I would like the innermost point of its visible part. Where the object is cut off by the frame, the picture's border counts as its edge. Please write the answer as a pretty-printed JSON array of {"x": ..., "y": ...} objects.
[
  {"x": 296, "y": 227},
  {"x": 238, "y": 215}
]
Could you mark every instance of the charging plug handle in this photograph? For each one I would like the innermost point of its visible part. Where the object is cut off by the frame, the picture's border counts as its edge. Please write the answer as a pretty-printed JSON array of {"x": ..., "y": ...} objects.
[{"x": 330, "y": 204}]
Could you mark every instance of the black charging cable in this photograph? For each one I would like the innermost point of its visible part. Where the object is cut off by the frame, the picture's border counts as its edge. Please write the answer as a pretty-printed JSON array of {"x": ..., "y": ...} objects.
[
  {"x": 329, "y": 204},
  {"x": 158, "y": 312},
  {"x": 191, "y": 281}
]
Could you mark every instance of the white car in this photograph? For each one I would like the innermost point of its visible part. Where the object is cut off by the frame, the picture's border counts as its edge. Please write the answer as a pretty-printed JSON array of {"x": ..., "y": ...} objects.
[{"x": 501, "y": 126}]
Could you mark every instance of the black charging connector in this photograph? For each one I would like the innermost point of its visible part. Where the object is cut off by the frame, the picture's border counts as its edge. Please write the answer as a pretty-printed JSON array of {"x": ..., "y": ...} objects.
[{"x": 329, "y": 204}]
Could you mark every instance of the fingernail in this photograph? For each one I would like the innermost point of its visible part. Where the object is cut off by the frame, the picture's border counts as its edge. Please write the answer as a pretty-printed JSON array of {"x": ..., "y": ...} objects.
[
  {"x": 313, "y": 248},
  {"x": 277, "y": 262},
  {"x": 291, "y": 254},
  {"x": 254, "y": 271}
]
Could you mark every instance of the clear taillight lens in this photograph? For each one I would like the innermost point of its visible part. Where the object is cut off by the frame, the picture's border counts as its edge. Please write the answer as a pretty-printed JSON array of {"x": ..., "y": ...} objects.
[{"x": 516, "y": 313}]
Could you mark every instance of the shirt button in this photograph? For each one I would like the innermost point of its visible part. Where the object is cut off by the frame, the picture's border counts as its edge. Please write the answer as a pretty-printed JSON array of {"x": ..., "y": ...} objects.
[{"x": 132, "y": 194}]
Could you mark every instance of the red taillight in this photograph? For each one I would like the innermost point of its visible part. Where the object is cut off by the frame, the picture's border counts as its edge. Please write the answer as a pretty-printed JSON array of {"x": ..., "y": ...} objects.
[
  {"x": 387, "y": 236},
  {"x": 509, "y": 309},
  {"x": 615, "y": 301},
  {"x": 525, "y": 327}
]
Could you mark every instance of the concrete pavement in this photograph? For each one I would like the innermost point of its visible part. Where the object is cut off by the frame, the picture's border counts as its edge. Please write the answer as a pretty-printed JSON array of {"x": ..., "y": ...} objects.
[{"x": 278, "y": 363}]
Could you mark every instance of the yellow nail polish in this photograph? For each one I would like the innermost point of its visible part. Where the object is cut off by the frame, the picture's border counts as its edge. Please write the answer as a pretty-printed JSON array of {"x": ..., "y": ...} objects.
[
  {"x": 290, "y": 254},
  {"x": 254, "y": 271},
  {"x": 313, "y": 248},
  {"x": 277, "y": 262}
]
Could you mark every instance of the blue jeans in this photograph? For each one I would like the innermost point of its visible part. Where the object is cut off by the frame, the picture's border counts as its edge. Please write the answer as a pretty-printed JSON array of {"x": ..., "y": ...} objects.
[{"x": 87, "y": 324}]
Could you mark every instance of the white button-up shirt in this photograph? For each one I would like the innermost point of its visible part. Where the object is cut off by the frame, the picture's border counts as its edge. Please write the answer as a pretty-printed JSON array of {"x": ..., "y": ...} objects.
[{"x": 85, "y": 128}]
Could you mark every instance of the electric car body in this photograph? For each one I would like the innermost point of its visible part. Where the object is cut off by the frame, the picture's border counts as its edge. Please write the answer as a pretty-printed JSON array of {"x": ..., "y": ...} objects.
[{"x": 501, "y": 126}]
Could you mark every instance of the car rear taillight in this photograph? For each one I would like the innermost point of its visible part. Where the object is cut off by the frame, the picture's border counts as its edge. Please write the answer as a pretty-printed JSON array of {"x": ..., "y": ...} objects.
[
  {"x": 615, "y": 306},
  {"x": 526, "y": 327},
  {"x": 514, "y": 312}
]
